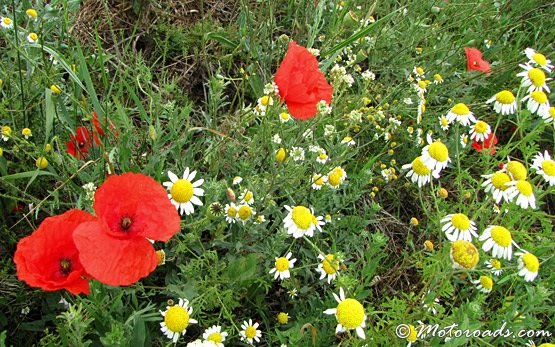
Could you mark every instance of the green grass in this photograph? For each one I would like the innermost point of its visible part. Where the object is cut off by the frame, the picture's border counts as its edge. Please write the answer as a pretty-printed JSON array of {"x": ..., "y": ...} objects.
[{"x": 182, "y": 94}]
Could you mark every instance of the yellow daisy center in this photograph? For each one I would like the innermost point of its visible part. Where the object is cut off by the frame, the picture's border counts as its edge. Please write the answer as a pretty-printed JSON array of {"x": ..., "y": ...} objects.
[
  {"x": 323, "y": 156},
  {"x": 460, "y": 221},
  {"x": 250, "y": 332},
  {"x": 481, "y": 127},
  {"x": 419, "y": 70},
  {"x": 245, "y": 212},
  {"x": 552, "y": 112},
  {"x": 548, "y": 166},
  {"x": 248, "y": 196},
  {"x": 215, "y": 337},
  {"x": 422, "y": 84},
  {"x": 499, "y": 179},
  {"x": 182, "y": 190},
  {"x": 486, "y": 282},
  {"x": 347, "y": 139},
  {"x": 32, "y": 13},
  {"x": 283, "y": 318},
  {"x": 318, "y": 180},
  {"x": 465, "y": 254},
  {"x": 531, "y": 262},
  {"x": 437, "y": 77},
  {"x": 302, "y": 217},
  {"x": 419, "y": 168},
  {"x": 412, "y": 334},
  {"x": 284, "y": 116},
  {"x": 539, "y": 58},
  {"x": 524, "y": 188},
  {"x": 539, "y": 97},
  {"x": 282, "y": 264},
  {"x": 501, "y": 236},
  {"x": 265, "y": 100},
  {"x": 444, "y": 121},
  {"x": 231, "y": 212},
  {"x": 536, "y": 76},
  {"x": 335, "y": 178},
  {"x": 505, "y": 97},
  {"x": 438, "y": 151},
  {"x": 176, "y": 319},
  {"x": 330, "y": 265},
  {"x": 33, "y": 36},
  {"x": 517, "y": 169},
  {"x": 350, "y": 313},
  {"x": 495, "y": 263},
  {"x": 6, "y": 130},
  {"x": 26, "y": 132},
  {"x": 460, "y": 109},
  {"x": 6, "y": 21}
]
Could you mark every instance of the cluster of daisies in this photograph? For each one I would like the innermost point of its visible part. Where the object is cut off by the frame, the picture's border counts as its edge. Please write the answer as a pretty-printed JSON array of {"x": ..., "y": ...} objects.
[
  {"x": 7, "y": 134},
  {"x": 7, "y": 23}
]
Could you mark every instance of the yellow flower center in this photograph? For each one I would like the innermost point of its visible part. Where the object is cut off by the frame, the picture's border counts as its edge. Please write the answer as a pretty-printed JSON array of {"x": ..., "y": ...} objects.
[
  {"x": 486, "y": 282},
  {"x": 182, "y": 190},
  {"x": 265, "y": 100},
  {"x": 250, "y": 332},
  {"x": 537, "y": 77},
  {"x": 465, "y": 254},
  {"x": 284, "y": 116},
  {"x": 429, "y": 245},
  {"x": 524, "y": 188},
  {"x": 437, "y": 77},
  {"x": 55, "y": 89},
  {"x": 26, "y": 132},
  {"x": 302, "y": 217},
  {"x": 6, "y": 130},
  {"x": 481, "y": 127},
  {"x": 496, "y": 264},
  {"x": 335, "y": 178},
  {"x": 248, "y": 196},
  {"x": 460, "y": 109},
  {"x": 460, "y": 221},
  {"x": 540, "y": 59},
  {"x": 438, "y": 151},
  {"x": 245, "y": 212},
  {"x": 548, "y": 166},
  {"x": 422, "y": 84},
  {"x": 32, "y": 13},
  {"x": 215, "y": 337},
  {"x": 531, "y": 262},
  {"x": 282, "y": 264},
  {"x": 318, "y": 180},
  {"x": 176, "y": 319},
  {"x": 231, "y": 212},
  {"x": 505, "y": 97},
  {"x": 419, "y": 71},
  {"x": 499, "y": 179},
  {"x": 280, "y": 155},
  {"x": 348, "y": 138},
  {"x": 419, "y": 168},
  {"x": 501, "y": 236},
  {"x": 323, "y": 156},
  {"x": 6, "y": 21},
  {"x": 330, "y": 265},
  {"x": 283, "y": 318},
  {"x": 539, "y": 97},
  {"x": 517, "y": 169},
  {"x": 444, "y": 122},
  {"x": 412, "y": 334},
  {"x": 33, "y": 36},
  {"x": 350, "y": 313}
]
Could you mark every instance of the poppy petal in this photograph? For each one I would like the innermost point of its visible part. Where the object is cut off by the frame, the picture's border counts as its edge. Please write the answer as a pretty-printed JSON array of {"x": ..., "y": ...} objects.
[
  {"x": 113, "y": 261},
  {"x": 474, "y": 60},
  {"x": 139, "y": 200}
]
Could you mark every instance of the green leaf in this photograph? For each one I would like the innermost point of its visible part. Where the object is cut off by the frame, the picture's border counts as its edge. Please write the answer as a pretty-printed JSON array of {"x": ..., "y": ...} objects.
[
  {"x": 50, "y": 112},
  {"x": 222, "y": 39},
  {"x": 62, "y": 62},
  {"x": 243, "y": 269},
  {"x": 28, "y": 174}
]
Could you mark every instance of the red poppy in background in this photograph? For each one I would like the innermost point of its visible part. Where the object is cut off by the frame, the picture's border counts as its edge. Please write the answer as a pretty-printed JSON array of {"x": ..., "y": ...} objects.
[
  {"x": 131, "y": 209},
  {"x": 100, "y": 129},
  {"x": 48, "y": 258},
  {"x": 80, "y": 143},
  {"x": 474, "y": 60},
  {"x": 489, "y": 142},
  {"x": 301, "y": 83}
]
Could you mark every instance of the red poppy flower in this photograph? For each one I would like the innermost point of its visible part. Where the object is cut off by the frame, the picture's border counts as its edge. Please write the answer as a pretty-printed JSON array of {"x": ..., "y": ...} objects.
[
  {"x": 48, "y": 258},
  {"x": 98, "y": 127},
  {"x": 301, "y": 83},
  {"x": 80, "y": 143},
  {"x": 131, "y": 209},
  {"x": 474, "y": 60},
  {"x": 489, "y": 142}
]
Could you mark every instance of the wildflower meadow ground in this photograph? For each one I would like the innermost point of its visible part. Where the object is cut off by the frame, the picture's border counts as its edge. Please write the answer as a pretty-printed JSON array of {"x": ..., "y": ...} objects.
[{"x": 277, "y": 173}]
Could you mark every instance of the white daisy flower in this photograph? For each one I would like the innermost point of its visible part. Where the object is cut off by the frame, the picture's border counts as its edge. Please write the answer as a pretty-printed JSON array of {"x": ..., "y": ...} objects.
[
  {"x": 284, "y": 117},
  {"x": 438, "y": 79},
  {"x": 349, "y": 314},
  {"x": 297, "y": 153},
  {"x": 318, "y": 181},
  {"x": 528, "y": 266},
  {"x": 495, "y": 266},
  {"x": 516, "y": 170},
  {"x": 237, "y": 180},
  {"x": 484, "y": 284},
  {"x": 329, "y": 267},
  {"x": 444, "y": 123},
  {"x": 247, "y": 197},
  {"x": 244, "y": 213},
  {"x": 533, "y": 78},
  {"x": 32, "y": 37},
  {"x": 250, "y": 332},
  {"x": 435, "y": 155},
  {"x": 215, "y": 334},
  {"x": 231, "y": 211},
  {"x": 544, "y": 166},
  {"x": 201, "y": 343},
  {"x": 538, "y": 59},
  {"x": 301, "y": 221},
  {"x": 347, "y": 140},
  {"x": 322, "y": 157},
  {"x": 336, "y": 177},
  {"x": 549, "y": 116},
  {"x": 464, "y": 140},
  {"x": 458, "y": 227},
  {"x": 524, "y": 193},
  {"x": 6, "y": 23},
  {"x": 499, "y": 240},
  {"x": 461, "y": 113},
  {"x": 418, "y": 71},
  {"x": 260, "y": 219},
  {"x": 504, "y": 102},
  {"x": 282, "y": 266},
  {"x": 480, "y": 131},
  {"x": 265, "y": 101},
  {"x": 183, "y": 192},
  {"x": 419, "y": 173},
  {"x": 176, "y": 320},
  {"x": 538, "y": 103},
  {"x": 497, "y": 184}
]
